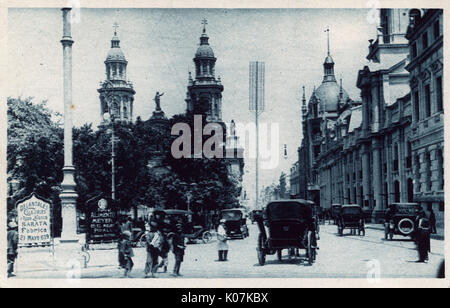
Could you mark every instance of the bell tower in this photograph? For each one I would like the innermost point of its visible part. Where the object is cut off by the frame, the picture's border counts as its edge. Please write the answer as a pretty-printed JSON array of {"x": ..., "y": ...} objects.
[
  {"x": 204, "y": 95},
  {"x": 116, "y": 92}
]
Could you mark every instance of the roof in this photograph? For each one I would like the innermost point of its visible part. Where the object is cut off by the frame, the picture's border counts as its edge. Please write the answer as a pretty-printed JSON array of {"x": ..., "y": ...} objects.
[
  {"x": 355, "y": 119},
  {"x": 293, "y": 200},
  {"x": 328, "y": 93}
]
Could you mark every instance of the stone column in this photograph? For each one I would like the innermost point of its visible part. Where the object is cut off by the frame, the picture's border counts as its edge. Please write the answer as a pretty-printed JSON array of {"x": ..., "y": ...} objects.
[
  {"x": 366, "y": 174},
  {"x": 378, "y": 211},
  {"x": 68, "y": 195}
]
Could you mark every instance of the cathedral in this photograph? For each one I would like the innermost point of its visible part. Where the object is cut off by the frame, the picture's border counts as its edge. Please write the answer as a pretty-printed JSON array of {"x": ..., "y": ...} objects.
[{"x": 116, "y": 92}]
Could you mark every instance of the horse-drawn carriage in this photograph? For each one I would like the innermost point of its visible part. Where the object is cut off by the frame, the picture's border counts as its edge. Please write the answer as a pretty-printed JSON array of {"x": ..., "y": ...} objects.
[
  {"x": 351, "y": 217},
  {"x": 286, "y": 224}
]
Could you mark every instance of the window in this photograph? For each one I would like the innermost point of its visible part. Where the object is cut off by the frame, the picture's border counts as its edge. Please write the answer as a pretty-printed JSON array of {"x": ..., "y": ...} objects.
[
  {"x": 396, "y": 191},
  {"x": 395, "y": 162},
  {"x": 416, "y": 106},
  {"x": 414, "y": 50},
  {"x": 427, "y": 101},
  {"x": 437, "y": 29},
  {"x": 425, "y": 40},
  {"x": 410, "y": 190},
  {"x": 439, "y": 105},
  {"x": 408, "y": 155}
]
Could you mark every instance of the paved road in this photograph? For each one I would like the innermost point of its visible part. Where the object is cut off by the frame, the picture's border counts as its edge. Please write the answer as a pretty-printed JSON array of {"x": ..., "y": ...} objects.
[{"x": 339, "y": 257}]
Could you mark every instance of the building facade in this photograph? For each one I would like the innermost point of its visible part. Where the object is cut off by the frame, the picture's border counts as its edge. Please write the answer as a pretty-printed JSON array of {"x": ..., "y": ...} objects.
[
  {"x": 425, "y": 37},
  {"x": 116, "y": 92},
  {"x": 389, "y": 147}
]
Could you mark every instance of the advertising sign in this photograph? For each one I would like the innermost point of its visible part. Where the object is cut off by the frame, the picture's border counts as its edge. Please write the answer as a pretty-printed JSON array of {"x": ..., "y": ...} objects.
[
  {"x": 34, "y": 216},
  {"x": 102, "y": 223}
]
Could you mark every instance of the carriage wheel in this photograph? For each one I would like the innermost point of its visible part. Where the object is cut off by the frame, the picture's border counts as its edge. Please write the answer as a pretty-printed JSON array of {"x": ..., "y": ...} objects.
[
  {"x": 280, "y": 254},
  {"x": 206, "y": 237},
  {"x": 261, "y": 253}
]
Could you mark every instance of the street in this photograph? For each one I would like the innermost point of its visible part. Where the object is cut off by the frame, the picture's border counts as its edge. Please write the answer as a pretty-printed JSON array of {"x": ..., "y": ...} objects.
[{"x": 349, "y": 256}]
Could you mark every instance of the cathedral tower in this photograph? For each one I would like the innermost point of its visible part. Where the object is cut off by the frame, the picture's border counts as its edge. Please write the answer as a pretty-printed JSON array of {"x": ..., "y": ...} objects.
[
  {"x": 204, "y": 94},
  {"x": 116, "y": 92}
]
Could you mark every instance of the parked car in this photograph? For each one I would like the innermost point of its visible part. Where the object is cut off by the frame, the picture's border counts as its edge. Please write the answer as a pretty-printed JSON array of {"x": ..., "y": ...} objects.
[
  {"x": 400, "y": 219},
  {"x": 235, "y": 223},
  {"x": 286, "y": 224},
  {"x": 351, "y": 217}
]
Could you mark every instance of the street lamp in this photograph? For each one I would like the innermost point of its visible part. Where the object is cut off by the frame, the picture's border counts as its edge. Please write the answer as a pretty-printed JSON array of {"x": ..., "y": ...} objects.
[{"x": 109, "y": 118}]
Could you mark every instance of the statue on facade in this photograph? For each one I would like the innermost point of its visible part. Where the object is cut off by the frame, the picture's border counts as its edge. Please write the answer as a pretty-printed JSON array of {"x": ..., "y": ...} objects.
[{"x": 157, "y": 100}]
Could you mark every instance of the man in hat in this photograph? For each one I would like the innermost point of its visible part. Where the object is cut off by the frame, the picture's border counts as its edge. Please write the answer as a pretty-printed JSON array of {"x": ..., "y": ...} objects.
[
  {"x": 13, "y": 240},
  {"x": 222, "y": 246}
]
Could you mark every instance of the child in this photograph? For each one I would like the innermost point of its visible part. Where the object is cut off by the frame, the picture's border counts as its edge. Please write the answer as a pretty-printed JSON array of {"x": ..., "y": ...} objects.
[
  {"x": 178, "y": 248},
  {"x": 126, "y": 250}
]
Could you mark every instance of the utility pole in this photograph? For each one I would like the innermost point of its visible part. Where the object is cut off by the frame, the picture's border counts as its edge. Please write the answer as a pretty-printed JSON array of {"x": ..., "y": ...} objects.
[{"x": 256, "y": 104}]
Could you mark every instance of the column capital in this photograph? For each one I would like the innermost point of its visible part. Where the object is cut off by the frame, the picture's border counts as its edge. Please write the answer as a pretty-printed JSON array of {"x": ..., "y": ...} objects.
[{"x": 67, "y": 41}]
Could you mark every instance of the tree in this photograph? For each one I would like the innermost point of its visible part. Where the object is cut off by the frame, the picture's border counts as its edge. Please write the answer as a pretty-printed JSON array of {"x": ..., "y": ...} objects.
[{"x": 34, "y": 152}]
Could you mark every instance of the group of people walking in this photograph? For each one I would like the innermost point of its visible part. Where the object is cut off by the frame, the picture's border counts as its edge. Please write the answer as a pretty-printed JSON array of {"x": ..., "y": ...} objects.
[{"x": 160, "y": 239}]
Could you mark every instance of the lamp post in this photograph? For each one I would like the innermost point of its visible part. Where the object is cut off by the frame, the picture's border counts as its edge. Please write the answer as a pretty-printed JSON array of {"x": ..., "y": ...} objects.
[
  {"x": 189, "y": 194},
  {"x": 109, "y": 118}
]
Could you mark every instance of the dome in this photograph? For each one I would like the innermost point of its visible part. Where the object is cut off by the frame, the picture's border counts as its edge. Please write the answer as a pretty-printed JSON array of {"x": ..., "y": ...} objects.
[
  {"x": 329, "y": 60},
  {"x": 328, "y": 93},
  {"x": 204, "y": 51},
  {"x": 115, "y": 54}
]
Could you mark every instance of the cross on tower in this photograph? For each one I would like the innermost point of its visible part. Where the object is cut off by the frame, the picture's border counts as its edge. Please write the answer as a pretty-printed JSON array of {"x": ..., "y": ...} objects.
[
  {"x": 204, "y": 23},
  {"x": 115, "y": 26}
]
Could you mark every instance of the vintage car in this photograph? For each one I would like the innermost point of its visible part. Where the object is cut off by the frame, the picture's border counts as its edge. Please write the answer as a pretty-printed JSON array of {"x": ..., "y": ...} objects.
[
  {"x": 191, "y": 232},
  {"x": 400, "y": 219},
  {"x": 335, "y": 212},
  {"x": 286, "y": 224},
  {"x": 235, "y": 223},
  {"x": 351, "y": 217}
]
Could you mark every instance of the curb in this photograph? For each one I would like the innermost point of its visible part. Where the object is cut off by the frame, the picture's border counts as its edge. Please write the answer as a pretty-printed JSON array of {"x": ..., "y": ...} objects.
[{"x": 380, "y": 228}]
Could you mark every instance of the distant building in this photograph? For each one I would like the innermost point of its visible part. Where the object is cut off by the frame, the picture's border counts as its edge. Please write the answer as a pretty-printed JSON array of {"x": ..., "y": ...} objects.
[
  {"x": 425, "y": 37},
  {"x": 116, "y": 92}
]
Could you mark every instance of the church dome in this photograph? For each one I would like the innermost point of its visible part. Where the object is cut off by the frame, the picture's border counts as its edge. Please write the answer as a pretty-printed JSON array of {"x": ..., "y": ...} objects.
[
  {"x": 204, "y": 51},
  {"x": 115, "y": 54},
  {"x": 329, "y": 93}
]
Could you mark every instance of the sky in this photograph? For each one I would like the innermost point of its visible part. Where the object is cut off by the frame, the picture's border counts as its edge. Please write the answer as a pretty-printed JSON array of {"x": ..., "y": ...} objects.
[{"x": 160, "y": 44}]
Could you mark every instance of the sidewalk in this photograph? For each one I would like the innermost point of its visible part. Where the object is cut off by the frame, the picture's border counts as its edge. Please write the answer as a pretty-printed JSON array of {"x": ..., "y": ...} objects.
[{"x": 438, "y": 236}]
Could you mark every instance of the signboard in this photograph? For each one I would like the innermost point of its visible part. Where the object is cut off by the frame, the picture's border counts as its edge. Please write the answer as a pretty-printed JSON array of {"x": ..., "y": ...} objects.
[
  {"x": 102, "y": 223},
  {"x": 34, "y": 216}
]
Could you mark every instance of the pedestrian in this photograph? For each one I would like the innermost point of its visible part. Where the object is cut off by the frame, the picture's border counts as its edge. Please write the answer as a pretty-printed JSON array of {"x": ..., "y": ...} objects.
[
  {"x": 153, "y": 244},
  {"x": 128, "y": 225},
  {"x": 432, "y": 221},
  {"x": 423, "y": 239},
  {"x": 178, "y": 248},
  {"x": 222, "y": 246},
  {"x": 165, "y": 246},
  {"x": 125, "y": 248},
  {"x": 13, "y": 241}
]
